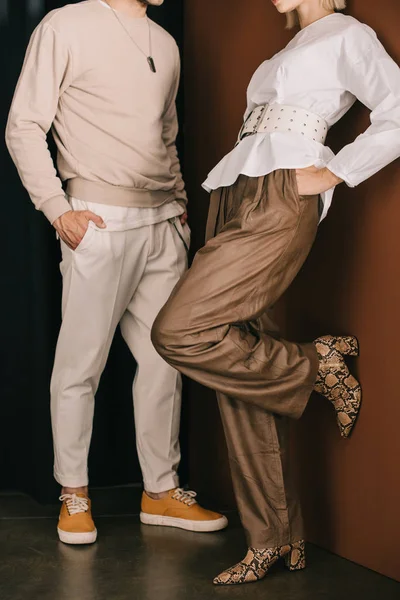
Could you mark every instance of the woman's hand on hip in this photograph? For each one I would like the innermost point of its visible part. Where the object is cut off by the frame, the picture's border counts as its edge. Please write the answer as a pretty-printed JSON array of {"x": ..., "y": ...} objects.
[
  {"x": 312, "y": 181},
  {"x": 72, "y": 226}
]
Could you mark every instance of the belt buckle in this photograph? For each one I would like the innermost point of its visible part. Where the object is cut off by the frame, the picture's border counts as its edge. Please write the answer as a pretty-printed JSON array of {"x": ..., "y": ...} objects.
[
  {"x": 260, "y": 117},
  {"x": 241, "y": 136}
]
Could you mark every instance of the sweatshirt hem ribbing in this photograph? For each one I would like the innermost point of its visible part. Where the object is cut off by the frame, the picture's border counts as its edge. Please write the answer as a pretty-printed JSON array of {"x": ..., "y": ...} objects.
[{"x": 104, "y": 193}]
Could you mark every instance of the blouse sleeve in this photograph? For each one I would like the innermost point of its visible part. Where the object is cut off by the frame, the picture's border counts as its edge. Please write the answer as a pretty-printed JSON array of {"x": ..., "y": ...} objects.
[{"x": 375, "y": 80}]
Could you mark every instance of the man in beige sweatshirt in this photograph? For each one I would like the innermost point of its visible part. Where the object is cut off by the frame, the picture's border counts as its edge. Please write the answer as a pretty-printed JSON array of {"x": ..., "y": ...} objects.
[{"x": 104, "y": 78}]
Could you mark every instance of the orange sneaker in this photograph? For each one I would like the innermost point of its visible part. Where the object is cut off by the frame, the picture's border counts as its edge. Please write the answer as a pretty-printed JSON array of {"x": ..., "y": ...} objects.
[
  {"x": 76, "y": 525},
  {"x": 180, "y": 509}
]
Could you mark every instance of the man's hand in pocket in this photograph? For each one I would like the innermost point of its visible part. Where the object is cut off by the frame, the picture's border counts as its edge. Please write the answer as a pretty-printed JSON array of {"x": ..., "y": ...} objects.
[{"x": 72, "y": 226}]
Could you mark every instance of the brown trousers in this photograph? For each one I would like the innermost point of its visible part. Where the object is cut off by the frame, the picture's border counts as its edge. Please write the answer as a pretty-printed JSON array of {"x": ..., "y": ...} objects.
[{"x": 216, "y": 328}]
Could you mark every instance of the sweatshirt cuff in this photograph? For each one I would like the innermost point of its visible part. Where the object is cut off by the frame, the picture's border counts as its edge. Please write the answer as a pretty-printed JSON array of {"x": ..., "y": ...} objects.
[
  {"x": 182, "y": 202},
  {"x": 55, "y": 207}
]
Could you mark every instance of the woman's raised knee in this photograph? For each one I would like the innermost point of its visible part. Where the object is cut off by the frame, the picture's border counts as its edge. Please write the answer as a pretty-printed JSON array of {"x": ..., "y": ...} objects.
[{"x": 165, "y": 337}]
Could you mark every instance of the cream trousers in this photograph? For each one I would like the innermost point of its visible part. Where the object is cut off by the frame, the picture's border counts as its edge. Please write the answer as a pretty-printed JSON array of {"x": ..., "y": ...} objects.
[{"x": 117, "y": 277}]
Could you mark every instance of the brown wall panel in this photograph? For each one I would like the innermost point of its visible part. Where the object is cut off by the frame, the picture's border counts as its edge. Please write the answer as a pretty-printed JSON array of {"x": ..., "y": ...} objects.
[{"x": 351, "y": 283}]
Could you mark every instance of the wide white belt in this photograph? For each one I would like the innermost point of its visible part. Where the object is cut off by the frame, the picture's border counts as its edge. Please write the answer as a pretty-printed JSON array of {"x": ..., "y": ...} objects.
[{"x": 282, "y": 117}]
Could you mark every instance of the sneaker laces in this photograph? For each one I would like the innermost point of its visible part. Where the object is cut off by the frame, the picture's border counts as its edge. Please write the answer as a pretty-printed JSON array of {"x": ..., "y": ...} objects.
[
  {"x": 186, "y": 497},
  {"x": 75, "y": 504}
]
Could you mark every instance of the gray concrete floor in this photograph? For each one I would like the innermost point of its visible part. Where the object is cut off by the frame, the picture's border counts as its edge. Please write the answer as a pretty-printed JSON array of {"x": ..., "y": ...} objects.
[{"x": 136, "y": 562}]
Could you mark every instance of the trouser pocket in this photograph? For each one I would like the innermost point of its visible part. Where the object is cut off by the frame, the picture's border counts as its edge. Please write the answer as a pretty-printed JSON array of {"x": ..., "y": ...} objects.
[{"x": 183, "y": 231}]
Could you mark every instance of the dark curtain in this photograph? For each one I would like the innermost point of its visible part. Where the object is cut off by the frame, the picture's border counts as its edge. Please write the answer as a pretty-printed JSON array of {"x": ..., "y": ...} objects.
[{"x": 30, "y": 309}]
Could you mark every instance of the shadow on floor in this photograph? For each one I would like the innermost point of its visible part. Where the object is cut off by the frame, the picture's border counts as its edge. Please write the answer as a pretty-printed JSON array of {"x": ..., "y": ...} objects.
[{"x": 136, "y": 562}]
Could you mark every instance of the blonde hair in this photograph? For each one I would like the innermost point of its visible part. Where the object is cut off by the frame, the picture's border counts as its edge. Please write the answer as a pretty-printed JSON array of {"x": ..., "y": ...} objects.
[{"x": 292, "y": 19}]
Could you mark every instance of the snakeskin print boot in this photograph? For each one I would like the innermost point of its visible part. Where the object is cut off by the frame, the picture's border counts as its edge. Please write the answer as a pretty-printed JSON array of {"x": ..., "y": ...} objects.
[
  {"x": 257, "y": 563},
  {"x": 334, "y": 380}
]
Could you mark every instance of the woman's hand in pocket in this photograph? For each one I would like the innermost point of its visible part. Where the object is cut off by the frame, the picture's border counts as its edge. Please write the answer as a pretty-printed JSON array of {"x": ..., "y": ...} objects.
[
  {"x": 72, "y": 226},
  {"x": 312, "y": 181}
]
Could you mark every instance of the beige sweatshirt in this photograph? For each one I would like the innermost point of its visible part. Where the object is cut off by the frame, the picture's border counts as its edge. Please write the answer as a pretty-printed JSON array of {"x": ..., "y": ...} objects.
[{"x": 113, "y": 120}]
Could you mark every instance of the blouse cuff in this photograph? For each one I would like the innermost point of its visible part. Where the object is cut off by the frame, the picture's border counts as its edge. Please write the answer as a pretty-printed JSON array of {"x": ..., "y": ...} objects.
[{"x": 336, "y": 170}]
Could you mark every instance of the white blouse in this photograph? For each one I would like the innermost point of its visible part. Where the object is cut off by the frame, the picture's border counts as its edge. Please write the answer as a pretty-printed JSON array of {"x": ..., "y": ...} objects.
[{"x": 324, "y": 68}]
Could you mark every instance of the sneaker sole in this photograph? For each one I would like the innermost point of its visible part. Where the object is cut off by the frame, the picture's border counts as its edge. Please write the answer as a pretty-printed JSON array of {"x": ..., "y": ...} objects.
[
  {"x": 200, "y": 526},
  {"x": 67, "y": 537}
]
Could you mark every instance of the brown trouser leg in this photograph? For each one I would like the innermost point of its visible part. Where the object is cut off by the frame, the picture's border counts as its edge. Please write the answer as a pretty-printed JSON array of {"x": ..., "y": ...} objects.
[
  {"x": 215, "y": 329},
  {"x": 258, "y": 453}
]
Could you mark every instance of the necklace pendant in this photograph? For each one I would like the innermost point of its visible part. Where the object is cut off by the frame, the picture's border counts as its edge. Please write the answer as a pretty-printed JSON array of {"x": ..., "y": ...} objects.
[{"x": 152, "y": 65}]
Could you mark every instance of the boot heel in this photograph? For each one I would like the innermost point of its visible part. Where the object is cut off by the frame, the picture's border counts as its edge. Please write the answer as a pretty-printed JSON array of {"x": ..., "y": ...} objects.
[
  {"x": 295, "y": 560},
  {"x": 347, "y": 345}
]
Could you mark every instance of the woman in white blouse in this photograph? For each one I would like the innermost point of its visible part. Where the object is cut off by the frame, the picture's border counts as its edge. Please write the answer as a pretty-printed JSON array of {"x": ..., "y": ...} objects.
[{"x": 268, "y": 196}]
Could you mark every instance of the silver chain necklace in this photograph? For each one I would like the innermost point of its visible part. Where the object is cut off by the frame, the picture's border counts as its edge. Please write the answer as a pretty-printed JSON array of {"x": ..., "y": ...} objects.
[{"x": 149, "y": 57}]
